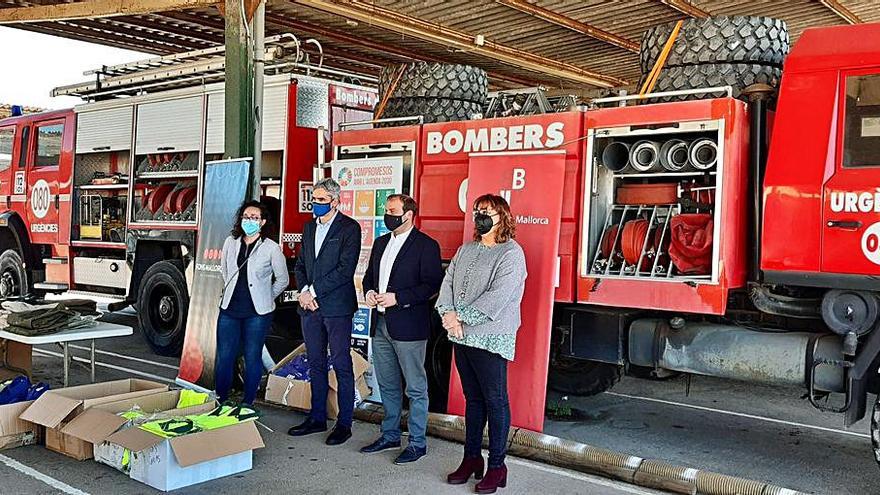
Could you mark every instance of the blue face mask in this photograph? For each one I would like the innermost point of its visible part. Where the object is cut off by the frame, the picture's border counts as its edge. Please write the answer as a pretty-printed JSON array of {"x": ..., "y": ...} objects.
[
  {"x": 250, "y": 226},
  {"x": 320, "y": 209}
]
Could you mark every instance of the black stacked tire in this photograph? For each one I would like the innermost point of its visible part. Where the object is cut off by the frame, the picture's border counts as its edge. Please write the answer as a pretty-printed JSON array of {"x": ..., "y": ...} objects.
[
  {"x": 723, "y": 39},
  {"x": 733, "y": 51},
  {"x": 432, "y": 109},
  {"x": 437, "y": 92},
  {"x": 737, "y": 76},
  {"x": 436, "y": 80}
]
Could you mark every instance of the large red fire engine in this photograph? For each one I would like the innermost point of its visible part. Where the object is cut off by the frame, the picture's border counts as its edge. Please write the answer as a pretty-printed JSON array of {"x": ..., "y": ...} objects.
[
  {"x": 102, "y": 200},
  {"x": 684, "y": 249}
]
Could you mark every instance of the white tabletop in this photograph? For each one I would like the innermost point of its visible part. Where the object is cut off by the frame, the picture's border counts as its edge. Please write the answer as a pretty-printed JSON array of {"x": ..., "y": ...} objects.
[{"x": 100, "y": 331}]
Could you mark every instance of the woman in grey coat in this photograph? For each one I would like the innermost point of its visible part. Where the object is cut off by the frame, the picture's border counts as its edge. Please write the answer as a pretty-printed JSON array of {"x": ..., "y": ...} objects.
[
  {"x": 254, "y": 274},
  {"x": 480, "y": 305}
]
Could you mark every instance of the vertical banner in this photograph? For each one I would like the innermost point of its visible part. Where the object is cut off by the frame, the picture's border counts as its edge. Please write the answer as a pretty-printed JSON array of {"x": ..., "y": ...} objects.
[
  {"x": 225, "y": 188},
  {"x": 532, "y": 183},
  {"x": 366, "y": 183}
]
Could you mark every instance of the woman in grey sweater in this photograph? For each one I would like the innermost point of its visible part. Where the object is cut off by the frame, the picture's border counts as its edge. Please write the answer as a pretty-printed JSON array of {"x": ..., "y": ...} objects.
[{"x": 480, "y": 305}]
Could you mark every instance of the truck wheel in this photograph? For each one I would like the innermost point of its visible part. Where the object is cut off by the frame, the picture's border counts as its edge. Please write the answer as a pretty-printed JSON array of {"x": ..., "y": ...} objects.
[
  {"x": 737, "y": 76},
  {"x": 163, "y": 304},
  {"x": 432, "y": 109},
  {"x": 13, "y": 276},
  {"x": 581, "y": 377},
  {"x": 738, "y": 39},
  {"x": 438, "y": 364},
  {"x": 875, "y": 430},
  {"x": 436, "y": 80}
]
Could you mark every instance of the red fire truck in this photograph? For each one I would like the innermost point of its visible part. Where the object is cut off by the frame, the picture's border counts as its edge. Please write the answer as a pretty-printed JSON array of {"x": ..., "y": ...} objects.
[
  {"x": 684, "y": 246},
  {"x": 102, "y": 200}
]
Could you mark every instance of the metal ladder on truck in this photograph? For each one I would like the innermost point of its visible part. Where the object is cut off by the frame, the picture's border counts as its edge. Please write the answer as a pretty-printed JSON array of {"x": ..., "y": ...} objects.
[
  {"x": 284, "y": 53},
  {"x": 526, "y": 101}
]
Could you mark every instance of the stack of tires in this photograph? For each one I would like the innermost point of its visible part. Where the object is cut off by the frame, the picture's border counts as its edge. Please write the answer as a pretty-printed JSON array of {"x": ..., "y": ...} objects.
[
  {"x": 438, "y": 92},
  {"x": 735, "y": 51}
]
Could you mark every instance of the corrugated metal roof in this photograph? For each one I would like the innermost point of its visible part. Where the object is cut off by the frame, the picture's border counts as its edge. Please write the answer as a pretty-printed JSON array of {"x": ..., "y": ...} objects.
[{"x": 364, "y": 47}]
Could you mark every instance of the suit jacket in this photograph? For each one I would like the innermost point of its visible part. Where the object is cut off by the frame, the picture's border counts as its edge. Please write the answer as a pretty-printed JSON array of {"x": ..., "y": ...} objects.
[
  {"x": 415, "y": 278},
  {"x": 331, "y": 273}
]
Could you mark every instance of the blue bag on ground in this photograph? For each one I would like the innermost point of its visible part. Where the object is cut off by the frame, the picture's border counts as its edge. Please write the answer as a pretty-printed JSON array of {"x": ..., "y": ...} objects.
[
  {"x": 15, "y": 390},
  {"x": 36, "y": 390}
]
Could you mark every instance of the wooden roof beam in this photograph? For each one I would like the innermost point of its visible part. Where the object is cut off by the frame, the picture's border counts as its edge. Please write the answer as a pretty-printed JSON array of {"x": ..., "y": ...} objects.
[
  {"x": 83, "y": 35},
  {"x": 90, "y": 9},
  {"x": 289, "y": 23},
  {"x": 686, "y": 8},
  {"x": 572, "y": 24},
  {"x": 841, "y": 11},
  {"x": 403, "y": 24}
]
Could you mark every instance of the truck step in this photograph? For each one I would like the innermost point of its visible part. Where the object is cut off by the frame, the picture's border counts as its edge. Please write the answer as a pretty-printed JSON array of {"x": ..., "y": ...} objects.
[
  {"x": 55, "y": 260},
  {"x": 51, "y": 287}
]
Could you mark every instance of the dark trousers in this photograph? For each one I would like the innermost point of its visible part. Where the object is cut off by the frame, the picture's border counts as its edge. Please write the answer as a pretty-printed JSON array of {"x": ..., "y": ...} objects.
[
  {"x": 484, "y": 382},
  {"x": 319, "y": 332},
  {"x": 236, "y": 336}
]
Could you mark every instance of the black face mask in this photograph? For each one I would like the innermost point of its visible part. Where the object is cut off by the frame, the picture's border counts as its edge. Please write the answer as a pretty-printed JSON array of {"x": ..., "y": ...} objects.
[
  {"x": 392, "y": 222},
  {"x": 483, "y": 223}
]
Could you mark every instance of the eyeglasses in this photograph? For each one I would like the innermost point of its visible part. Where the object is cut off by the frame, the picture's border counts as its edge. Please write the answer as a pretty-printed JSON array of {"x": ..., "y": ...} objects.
[{"x": 484, "y": 211}]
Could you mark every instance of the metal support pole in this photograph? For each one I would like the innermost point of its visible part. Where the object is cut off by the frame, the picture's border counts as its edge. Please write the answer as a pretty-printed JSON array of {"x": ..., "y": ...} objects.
[
  {"x": 66, "y": 364},
  {"x": 239, "y": 83},
  {"x": 93, "y": 361},
  {"x": 259, "y": 30}
]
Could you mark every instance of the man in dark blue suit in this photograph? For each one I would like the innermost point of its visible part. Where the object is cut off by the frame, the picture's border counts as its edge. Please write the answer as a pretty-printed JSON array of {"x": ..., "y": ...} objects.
[
  {"x": 324, "y": 274},
  {"x": 403, "y": 275}
]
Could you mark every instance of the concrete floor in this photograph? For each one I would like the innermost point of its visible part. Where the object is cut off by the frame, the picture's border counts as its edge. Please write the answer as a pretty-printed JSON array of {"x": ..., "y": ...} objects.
[
  {"x": 286, "y": 465},
  {"x": 763, "y": 433}
]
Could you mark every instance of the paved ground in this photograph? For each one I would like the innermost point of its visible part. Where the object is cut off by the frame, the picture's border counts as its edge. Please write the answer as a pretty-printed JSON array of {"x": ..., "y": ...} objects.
[
  {"x": 286, "y": 465},
  {"x": 764, "y": 433}
]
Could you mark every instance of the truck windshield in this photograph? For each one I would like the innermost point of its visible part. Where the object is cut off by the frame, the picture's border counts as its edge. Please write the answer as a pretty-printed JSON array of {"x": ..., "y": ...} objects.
[{"x": 861, "y": 143}]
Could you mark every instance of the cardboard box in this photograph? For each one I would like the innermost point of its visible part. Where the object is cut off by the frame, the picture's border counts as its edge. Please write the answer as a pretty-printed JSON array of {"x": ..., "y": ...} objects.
[
  {"x": 56, "y": 408},
  {"x": 298, "y": 393},
  {"x": 96, "y": 424},
  {"x": 16, "y": 359},
  {"x": 169, "y": 464},
  {"x": 15, "y": 432}
]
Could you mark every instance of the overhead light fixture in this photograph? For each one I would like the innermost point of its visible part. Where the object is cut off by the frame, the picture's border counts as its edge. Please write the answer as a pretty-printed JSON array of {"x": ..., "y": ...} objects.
[
  {"x": 351, "y": 23},
  {"x": 480, "y": 40}
]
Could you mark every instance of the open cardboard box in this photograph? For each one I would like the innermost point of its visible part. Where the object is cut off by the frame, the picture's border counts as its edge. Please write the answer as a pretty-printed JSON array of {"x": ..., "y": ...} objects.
[
  {"x": 99, "y": 422},
  {"x": 56, "y": 408},
  {"x": 15, "y": 432},
  {"x": 298, "y": 393},
  {"x": 172, "y": 463}
]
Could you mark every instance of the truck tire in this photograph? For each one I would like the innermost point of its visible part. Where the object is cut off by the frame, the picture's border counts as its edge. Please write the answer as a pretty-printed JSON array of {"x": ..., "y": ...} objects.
[
  {"x": 875, "y": 430},
  {"x": 163, "y": 303},
  {"x": 737, "y": 76},
  {"x": 438, "y": 364},
  {"x": 436, "y": 80},
  {"x": 432, "y": 109},
  {"x": 723, "y": 39},
  {"x": 14, "y": 280},
  {"x": 581, "y": 377}
]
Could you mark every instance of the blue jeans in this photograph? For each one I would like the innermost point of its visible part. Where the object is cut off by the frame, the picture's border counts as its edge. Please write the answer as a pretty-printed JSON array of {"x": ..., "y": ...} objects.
[
  {"x": 484, "y": 382},
  {"x": 236, "y": 336},
  {"x": 319, "y": 332},
  {"x": 391, "y": 359}
]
